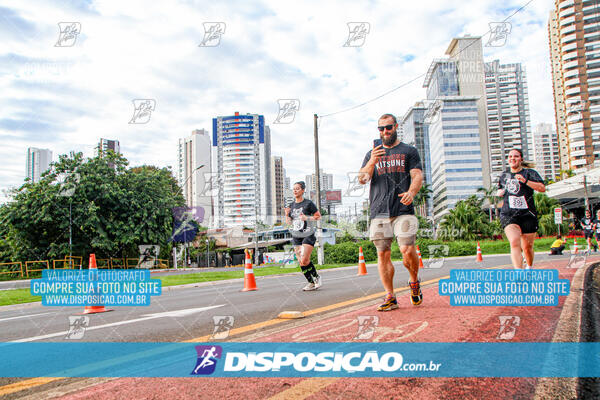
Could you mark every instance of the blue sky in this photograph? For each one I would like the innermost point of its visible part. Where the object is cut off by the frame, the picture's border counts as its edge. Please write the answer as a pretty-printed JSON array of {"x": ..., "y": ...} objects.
[{"x": 66, "y": 98}]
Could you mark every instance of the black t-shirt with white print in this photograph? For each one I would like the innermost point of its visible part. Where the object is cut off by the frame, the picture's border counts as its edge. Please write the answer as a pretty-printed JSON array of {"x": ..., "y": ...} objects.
[
  {"x": 518, "y": 197},
  {"x": 596, "y": 223},
  {"x": 299, "y": 227},
  {"x": 391, "y": 177},
  {"x": 586, "y": 223}
]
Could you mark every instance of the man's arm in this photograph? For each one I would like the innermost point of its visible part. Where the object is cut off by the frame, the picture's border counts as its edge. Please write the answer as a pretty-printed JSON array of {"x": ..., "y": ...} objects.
[
  {"x": 366, "y": 173},
  {"x": 416, "y": 181}
]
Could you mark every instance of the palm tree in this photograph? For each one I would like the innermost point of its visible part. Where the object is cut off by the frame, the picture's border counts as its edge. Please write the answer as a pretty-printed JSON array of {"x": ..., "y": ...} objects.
[
  {"x": 466, "y": 218},
  {"x": 545, "y": 208},
  {"x": 489, "y": 195},
  {"x": 423, "y": 194}
]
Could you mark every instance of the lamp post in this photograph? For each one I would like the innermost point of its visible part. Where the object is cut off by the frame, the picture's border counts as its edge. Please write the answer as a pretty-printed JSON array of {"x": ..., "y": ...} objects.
[
  {"x": 207, "y": 252},
  {"x": 68, "y": 192},
  {"x": 177, "y": 194}
]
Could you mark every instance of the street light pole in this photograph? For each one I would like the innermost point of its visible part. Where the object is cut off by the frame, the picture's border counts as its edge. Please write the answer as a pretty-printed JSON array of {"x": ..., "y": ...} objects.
[
  {"x": 320, "y": 255},
  {"x": 177, "y": 194}
]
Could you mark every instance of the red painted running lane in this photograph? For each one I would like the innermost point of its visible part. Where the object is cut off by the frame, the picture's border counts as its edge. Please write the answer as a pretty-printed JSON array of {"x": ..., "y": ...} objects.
[{"x": 433, "y": 321}]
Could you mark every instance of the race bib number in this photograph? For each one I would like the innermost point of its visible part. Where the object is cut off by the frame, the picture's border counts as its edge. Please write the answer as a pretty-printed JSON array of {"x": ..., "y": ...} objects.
[{"x": 517, "y": 202}]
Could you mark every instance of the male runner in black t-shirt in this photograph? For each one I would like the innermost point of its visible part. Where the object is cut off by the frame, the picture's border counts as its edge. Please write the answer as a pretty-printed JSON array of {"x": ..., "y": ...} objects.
[
  {"x": 395, "y": 172},
  {"x": 518, "y": 215}
]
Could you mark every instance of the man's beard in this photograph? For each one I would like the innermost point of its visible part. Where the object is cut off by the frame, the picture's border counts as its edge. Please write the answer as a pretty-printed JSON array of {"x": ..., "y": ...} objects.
[{"x": 392, "y": 139}]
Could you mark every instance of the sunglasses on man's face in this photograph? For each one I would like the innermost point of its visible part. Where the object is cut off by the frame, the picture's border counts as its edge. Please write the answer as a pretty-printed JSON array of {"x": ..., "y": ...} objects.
[{"x": 387, "y": 127}]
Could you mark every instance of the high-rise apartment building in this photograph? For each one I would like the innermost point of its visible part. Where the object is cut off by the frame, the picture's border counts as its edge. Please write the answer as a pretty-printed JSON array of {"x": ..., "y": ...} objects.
[
  {"x": 278, "y": 179},
  {"x": 326, "y": 181},
  {"x": 194, "y": 175},
  {"x": 574, "y": 39},
  {"x": 508, "y": 113},
  {"x": 416, "y": 132},
  {"x": 241, "y": 156},
  {"x": 106, "y": 144},
  {"x": 38, "y": 161},
  {"x": 545, "y": 151}
]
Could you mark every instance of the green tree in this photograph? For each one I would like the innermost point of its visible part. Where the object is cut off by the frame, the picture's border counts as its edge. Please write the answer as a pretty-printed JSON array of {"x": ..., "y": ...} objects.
[
  {"x": 114, "y": 209},
  {"x": 545, "y": 208},
  {"x": 465, "y": 221},
  {"x": 423, "y": 195},
  {"x": 489, "y": 196}
]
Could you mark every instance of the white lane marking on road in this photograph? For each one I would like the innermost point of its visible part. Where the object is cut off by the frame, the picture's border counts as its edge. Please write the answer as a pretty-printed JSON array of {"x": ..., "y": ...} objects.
[
  {"x": 24, "y": 316},
  {"x": 176, "y": 313}
]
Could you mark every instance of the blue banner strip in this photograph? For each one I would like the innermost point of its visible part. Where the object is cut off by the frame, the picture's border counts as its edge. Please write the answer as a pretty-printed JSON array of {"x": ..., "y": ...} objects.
[{"x": 300, "y": 359}]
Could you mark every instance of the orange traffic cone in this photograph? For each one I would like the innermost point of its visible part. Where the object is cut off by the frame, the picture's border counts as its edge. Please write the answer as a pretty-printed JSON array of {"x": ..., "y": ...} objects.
[
  {"x": 362, "y": 267},
  {"x": 479, "y": 257},
  {"x": 249, "y": 281},
  {"x": 575, "y": 248},
  {"x": 97, "y": 308},
  {"x": 420, "y": 259}
]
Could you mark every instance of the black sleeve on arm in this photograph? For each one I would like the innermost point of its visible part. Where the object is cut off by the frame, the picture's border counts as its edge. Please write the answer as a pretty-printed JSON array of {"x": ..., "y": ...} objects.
[
  {"x": 501, "y": 181},
  {"x": 312, "y": 208},
  {"x": 413, "y": 160},
  {"x": 367, "y": 158},
  {"x": 534, "y": 176}
]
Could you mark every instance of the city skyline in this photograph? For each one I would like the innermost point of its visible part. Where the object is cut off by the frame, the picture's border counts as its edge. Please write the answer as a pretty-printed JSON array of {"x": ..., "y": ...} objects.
[{"x": 295, "y": 55}]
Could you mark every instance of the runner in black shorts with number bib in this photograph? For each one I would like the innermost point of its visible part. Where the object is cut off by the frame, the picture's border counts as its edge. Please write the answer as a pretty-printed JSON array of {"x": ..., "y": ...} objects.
[
  {"x": 301, "y": 213},
  {"x": 588, "y": 228},
  {"x": 518, "y": 214}
]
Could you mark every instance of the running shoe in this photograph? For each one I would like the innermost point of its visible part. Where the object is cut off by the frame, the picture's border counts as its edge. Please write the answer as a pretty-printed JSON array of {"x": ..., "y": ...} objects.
[
  {"x": 416, "y": 296},
  {"x": 318, "y": 282},
  {"x": 309, "y": 286},
  {"x": 389, "y": 303}
]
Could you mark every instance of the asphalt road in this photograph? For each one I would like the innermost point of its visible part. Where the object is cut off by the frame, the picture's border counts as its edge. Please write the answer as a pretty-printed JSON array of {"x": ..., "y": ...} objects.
[{"x": 184, "y": 313}]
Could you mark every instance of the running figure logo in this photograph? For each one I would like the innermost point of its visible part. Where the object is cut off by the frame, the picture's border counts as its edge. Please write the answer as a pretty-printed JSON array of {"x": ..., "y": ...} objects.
[
  {"x": 207, "y": 359},
  {"x": 355, "y": 189},
  {"x": 223, "y": 324},
  {"x": 366, "y": 326},
  {"x": 68, "y": 34},
  {"x": 142, "y": 110},
  {"x": 77, "y": 326},
  {"x": 212, "y": 34},
  {"x": 508, "y": 326},
  {"x": 357, "y": 33},
  {"x": 499, "y": 32},
  {"x": 437, "y": 250},
  {"x": 287, "y": 111}
]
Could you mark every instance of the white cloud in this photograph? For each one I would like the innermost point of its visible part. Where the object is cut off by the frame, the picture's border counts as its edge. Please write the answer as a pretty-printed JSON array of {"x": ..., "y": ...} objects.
[{"x": 270, "y": 50}]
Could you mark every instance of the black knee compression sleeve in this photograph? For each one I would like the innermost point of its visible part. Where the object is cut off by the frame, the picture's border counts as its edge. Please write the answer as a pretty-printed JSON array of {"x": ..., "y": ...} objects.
[{"x": 306, "y": 270}]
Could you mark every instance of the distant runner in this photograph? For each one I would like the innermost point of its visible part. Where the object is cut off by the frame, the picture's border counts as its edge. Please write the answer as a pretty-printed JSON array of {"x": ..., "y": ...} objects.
[
  {"x": 394, "y": 169},
  {"x": 518, "y": 214},
  {"x": 588, "y": 228},
  {"x": 597, "y": 229},
  {"x": 299, "y": 213}
]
